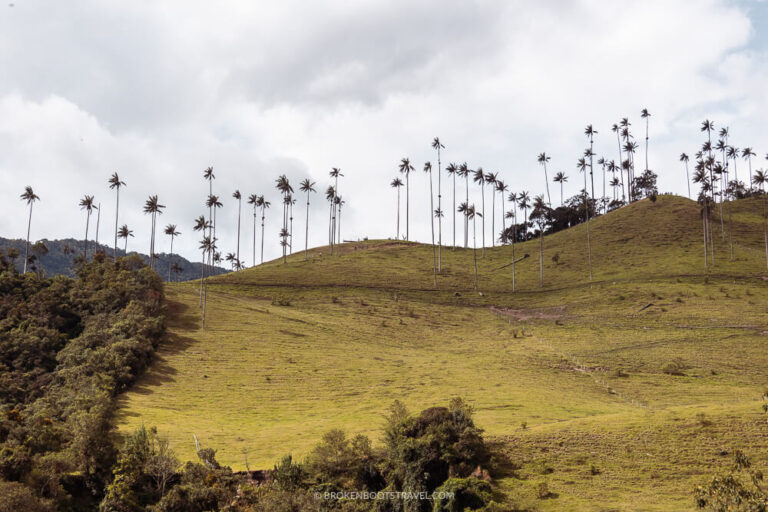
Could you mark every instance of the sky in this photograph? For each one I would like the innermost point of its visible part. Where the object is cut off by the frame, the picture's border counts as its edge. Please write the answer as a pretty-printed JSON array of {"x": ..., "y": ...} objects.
[{"x": 158, "y": 91}]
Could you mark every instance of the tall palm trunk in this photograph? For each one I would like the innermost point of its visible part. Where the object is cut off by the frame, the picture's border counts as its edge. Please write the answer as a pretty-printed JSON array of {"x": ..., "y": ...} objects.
[
  {"x": 290, "y": 233},
  {"x": 514, "y": 239},
  {"x": 474, "y": 247},
  {"x": 706, "y": 230},
  {"x": 170, "y": 259},
  {"x": 688, "y": 180},
  {"x": 454, "y": 210},
  {"x": 339, "y": 239},
  {"x": 589, "y": 242},
  {"x": 85, "y": 242},
  {"x": 466, "y": 218},
  {"x": 29, "y": 229},
  {"x": 202, "y": 277},
  {"x": 407, "y": 206},
  {"x": 98, "y": 222},
  {"x": 541, "y": 257},
  {"x": 546, "y": 181},
  {"x": 621, "y": 166},
  {"x": 482, "y": 193},
  {"x": 561, "y": 193},
  {"x": 493, "y": 217},
  {"x": 503, "y": 214},
  {"x": 646, "y": 142},
  {"x": 306, "y": 231},
  {"x": 117, "y": 213},
  {"x": 398, "y": 214},
  {"x": 262, "y": 233},
  {"x": 254, "y": 235},
  {"x": 432, "y": 225},
  {"x": 239, "y": 210},
  {"x": 440, "y": 217}
]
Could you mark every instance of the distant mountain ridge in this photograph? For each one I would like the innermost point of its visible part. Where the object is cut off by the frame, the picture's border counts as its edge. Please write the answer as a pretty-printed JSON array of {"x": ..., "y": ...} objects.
[{"x": 60, "y": 255}]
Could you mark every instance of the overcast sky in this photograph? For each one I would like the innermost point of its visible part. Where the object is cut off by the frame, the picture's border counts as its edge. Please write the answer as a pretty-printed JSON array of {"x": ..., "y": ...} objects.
[{"x": 158, "y": 91}]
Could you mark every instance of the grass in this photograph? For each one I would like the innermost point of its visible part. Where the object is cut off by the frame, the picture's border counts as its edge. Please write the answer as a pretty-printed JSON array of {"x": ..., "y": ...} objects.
[{"x": 581, "y": 364}]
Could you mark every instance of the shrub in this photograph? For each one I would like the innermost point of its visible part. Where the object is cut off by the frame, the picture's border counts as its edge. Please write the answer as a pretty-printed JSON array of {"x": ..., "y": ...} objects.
[
  {"x": 423, "y": 451},
  {"x": 288, "y": 475},
  {"x": 458, "y": 494}
]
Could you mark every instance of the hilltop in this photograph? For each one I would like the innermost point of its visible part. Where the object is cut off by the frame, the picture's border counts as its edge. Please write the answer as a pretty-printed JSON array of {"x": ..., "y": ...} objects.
[
  {"x": 58, "y": 258},
  {"x": 623, "y": 392}
]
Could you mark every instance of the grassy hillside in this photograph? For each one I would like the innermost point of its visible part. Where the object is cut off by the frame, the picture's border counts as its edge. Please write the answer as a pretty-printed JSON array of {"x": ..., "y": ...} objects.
[{"x": 622, "y": 393}]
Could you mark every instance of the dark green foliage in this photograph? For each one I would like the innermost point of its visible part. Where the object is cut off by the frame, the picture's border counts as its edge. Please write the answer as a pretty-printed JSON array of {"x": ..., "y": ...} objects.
[
  {"x": 345, "y": 463},
  {"x": 287, "y": 474},
  {"x": 740, "y": 490},
  {"x": 424, "y": 451},
  {"x": 459, "y": 494},
  {"x": 67, "y": 347}
]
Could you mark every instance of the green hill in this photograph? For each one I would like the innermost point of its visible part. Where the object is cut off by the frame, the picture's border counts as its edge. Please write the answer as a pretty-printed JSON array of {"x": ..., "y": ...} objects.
[
  {"x": 620, "y": 393},
  {"x": 57, "y": 257}
]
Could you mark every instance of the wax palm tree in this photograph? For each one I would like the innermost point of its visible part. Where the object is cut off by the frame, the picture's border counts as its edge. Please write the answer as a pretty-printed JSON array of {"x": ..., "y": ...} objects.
[
  {"x": 176, "y": 269},
  {"x": 252, "y": 199},
  {"x": 478, "y": 176},
  {"x": 335, "y": 173},
  {"x": 733, "y": 153},
  {"x": 116, "y": 183},
  {"x": 543, "y": 159},
  {"x": 171, "y": 231},
  {"x": 582, "y": 166},
  {"x": 451, "y": 169},
  {"x": 153, "y": 207},
  {"x": 601, "y": 162},
  {"x": 263, "y": 204},
  {"x": 330, "y": 196},
  {"x": 124, "y": 233},
  {"x": 406, "y": 168},
  {"x": 560, "y": 178},
  {"x": 30, "y": 197},
  {"x": 428, "y": 170},
  {"x": 436, "y": 145},
  {"x": 213, "y": 204},
  {"x": 209, "y": 176},
  {"x": 201, "y": 224},
  {"x": 463, "y": 172},
  {"x": 502, "y": 188},
  {"x": 615, "y": 183},
  {"x": 490, "y": 179},
  {"x": 236, "y": 194},
  {"x": 232, "y": 259},
  {"x": 613, "y": 169},
  {"x": 283, "y": 185},
  {"x": 590, "y": 132},
  {"x": 307, "y": 186},
  {"x": 541, "y": 215},
  {"x": 747, "y": 155},
  {"x": 524, "y": 202},
  {"x": 644, "y": 114},
  {"x": 291, "y": 202},
  {"x": 512, "y": 198},
  {"x": 87, "y": 204},
  {"x": 700, "y": 177},
  {"x": 684, "y": 158},
  {"x": 617, "y": 130},
  {"x": 339, "y": 202},
  {"x": 397, "y": 183},
  {"x": 208, "y": 246},
  {"x": 471, "y": 214}
]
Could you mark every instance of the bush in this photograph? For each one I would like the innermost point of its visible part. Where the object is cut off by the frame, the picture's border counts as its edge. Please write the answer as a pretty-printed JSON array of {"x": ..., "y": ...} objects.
[
  {"x": 458, "y": 494},
  {"x": 15, "y": 497},
  {"x": 423, "y": 451}
]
